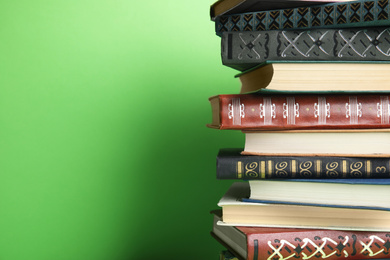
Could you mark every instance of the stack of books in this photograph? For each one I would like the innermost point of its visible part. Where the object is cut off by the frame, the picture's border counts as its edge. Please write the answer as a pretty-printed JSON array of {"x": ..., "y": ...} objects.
[{"x": 312, "y": 180}]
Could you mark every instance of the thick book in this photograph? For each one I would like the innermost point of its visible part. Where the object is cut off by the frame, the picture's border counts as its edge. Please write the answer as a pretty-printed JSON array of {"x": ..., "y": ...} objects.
[
  {"x": 225, "y": 7},
  {"x": 266, "y": 243},
  {"x": 275, "y": 110},
  {"x": 317, "y": 76},
  {"x": 344, "y": 14},
  {"x": 238, "y": 212},
  {"x": 245, "y": 50},
  {"x": 232, "y": 165},
  {"x": 354, "y": 193},
  {"x": 337, "y": 143}
]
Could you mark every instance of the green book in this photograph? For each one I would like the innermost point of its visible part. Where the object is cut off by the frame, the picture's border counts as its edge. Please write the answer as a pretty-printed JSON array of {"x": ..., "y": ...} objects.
[
  {"x": 345, "y": 14},
  {"x": 245, "y": 50}
]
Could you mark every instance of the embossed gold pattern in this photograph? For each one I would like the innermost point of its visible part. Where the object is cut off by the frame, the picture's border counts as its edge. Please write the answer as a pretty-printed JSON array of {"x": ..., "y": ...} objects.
[
  {"x": 304, "y": 169},
  {"x": 250, "y": 170},
  {"x": 331, "y": 169},
  {"x": 280, "y": 169},
  {"x": 355, "y": 169}
]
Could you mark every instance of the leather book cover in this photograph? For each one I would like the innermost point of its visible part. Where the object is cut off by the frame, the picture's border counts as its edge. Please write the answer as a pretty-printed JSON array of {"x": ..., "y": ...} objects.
[
  {"x": 273, "y": 110},
  {"x": 364, "y": 13},
  {"x": 231, "y": 164},
  {"x": 245, "y": 50},
  {"x": 268, "y": 243}
]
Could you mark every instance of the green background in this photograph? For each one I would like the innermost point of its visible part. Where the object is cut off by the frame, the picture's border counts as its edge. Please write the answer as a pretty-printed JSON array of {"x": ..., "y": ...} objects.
[{"x": 104, "y": 152}]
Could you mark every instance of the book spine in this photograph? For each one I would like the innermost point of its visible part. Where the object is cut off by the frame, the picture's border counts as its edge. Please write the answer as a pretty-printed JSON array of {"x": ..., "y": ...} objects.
[
  {"x": 351, "y": 14},
  {"x": 301, "y": 111},
  {"x": 242, "y": 167},
  {"x": 244, "y": 50},
  {"x": 315, "y": 244}
]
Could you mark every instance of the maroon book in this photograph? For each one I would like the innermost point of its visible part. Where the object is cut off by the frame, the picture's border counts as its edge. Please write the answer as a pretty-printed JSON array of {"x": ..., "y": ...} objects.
[
  {"x": 267, "y": 243},
  {"x": 272, "y": 110}
]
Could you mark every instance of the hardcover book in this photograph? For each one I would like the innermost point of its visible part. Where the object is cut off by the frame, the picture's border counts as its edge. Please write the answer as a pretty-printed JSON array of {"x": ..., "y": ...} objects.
[
  {"x": 236, "y": 212},
  {"x": 357, "y": 193},
  {"x": 348, "y": 143},
  {"x": 225, "y": 7},
  {"x": 317, "y": 76},
  {"x": 231, "y": 164},
  {"x": 266, "y": 243},
  {"x": 274, "y": 110},
  {"x": 245, "y": 50},
  {"x": 344, "y": 14}
]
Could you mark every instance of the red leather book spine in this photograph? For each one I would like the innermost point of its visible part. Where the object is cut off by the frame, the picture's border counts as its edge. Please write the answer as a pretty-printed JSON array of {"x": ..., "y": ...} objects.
[
  {"x": 319, "y": 244},
  {"x": 302, "y": 111}
]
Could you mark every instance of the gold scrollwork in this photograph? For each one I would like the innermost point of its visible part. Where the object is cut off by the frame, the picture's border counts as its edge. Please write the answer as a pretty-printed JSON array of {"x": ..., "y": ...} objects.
[
  {"x": 280, "y": 169},
  {"x": 250, "y": 170},
  {"x": 331, "y": 169},
  {"x": 304, "y": 169},
  {"x": 355, "y": 169}
]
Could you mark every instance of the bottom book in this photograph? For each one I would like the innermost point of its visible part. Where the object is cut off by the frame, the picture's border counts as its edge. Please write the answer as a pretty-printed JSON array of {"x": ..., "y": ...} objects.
[
  {"x": 265, "y": 243},
  {"x": 227, "y": 255}
]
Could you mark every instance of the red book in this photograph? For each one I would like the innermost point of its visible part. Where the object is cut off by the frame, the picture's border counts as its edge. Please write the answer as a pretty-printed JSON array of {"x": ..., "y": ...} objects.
[
  {"x": 274, "y": 110},
  {"x": 267, "y": 243}
]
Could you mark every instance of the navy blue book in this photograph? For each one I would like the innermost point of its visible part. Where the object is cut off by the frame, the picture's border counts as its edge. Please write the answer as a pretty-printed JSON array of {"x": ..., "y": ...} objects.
[{"x": 231, "y": 164}]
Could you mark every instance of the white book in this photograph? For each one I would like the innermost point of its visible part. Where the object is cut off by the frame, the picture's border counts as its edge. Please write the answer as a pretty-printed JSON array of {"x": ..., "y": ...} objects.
[
  {"x": 358, "y": 193},
  {"x": 361, "y": 143},
  {"x": 236, "y": 212}
]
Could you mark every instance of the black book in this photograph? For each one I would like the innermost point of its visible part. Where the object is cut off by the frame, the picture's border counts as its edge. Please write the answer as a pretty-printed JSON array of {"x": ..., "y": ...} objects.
[{"x": 231, "y": 164}]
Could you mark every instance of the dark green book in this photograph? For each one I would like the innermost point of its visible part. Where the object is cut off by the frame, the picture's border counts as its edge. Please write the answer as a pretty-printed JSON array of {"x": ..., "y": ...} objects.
[
  {"x": 245, "y": 50},
  {"x": 362, "y": 13},
  {"x": 232, "y": 165}
]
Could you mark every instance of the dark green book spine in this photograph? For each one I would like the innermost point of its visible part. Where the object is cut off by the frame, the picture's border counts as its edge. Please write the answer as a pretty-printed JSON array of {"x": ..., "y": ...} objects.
[
  {"x": 362, "y": 13},
  {"x": 244, "y": 50},
  {"x": 232, "y": 165}
]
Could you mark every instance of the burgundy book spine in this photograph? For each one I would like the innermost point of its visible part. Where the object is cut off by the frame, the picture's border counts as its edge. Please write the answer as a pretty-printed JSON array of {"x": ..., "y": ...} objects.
[
  {"x": 316, "y": 244},
  {"x": 285, "y": 111}
]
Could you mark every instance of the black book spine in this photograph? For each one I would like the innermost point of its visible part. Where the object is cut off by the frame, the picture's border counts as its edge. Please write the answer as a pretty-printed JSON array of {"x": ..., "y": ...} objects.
[{"x": 234, "y": 166}]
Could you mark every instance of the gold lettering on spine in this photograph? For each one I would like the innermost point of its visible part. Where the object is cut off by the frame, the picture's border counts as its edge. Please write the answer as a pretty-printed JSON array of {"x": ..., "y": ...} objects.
[
  {"x": 293, "y": 168},
  {"x": 262, "y": 169},
  {"x": 344, "y": 168},
  {"x": 270, "y": 168},
  {"x": 368, "y": 169},
  {"x": 239, "y": 169},
  {"x": 380, "y": 169}
]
